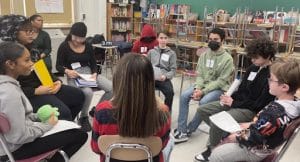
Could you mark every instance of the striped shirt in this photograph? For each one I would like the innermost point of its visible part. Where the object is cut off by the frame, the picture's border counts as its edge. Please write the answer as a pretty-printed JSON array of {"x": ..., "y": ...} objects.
[{"x": 105, "y": 124}]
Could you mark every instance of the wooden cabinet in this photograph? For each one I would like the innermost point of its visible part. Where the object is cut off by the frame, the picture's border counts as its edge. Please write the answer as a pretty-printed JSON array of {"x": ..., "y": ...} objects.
[{"x": 119, "y": 21}]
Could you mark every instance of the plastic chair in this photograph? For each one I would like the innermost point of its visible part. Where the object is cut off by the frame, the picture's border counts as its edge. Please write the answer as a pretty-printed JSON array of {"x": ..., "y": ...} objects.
[
  {"x": 120, "y": 148},
  {"x": 289, "y": 134},
  {"x": 5, "y": 127}
]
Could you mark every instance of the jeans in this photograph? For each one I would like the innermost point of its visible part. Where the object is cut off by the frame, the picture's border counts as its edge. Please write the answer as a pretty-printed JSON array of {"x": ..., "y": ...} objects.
[
  {"x": 234, "y": 152},
  {"x": 185, "y": 98},
  {"x": 168, "y": 149}
]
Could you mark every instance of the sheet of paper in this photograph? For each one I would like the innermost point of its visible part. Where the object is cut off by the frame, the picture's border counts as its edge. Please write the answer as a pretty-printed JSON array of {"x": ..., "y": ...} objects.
[
  {"x": 49, "y": 6},
  {"x": 62, "y": 125},
  {"x": 87, "y": 77},
  {"x": 225, "y": 122},
  {"x": 157, "y": 73}
]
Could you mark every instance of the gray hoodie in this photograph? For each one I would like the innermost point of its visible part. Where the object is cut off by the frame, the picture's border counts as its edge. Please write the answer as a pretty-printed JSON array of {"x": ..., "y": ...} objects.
[
  {"x": 17, "y": 108},
  {"x": 165, "y": 60},
  {"x": 292, "y": 108}
]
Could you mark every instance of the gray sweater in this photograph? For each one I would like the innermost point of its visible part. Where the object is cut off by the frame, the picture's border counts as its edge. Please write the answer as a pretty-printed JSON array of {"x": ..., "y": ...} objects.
[
  {"x": 17, "y": 108},
  {"x": 165, "y": 60}
]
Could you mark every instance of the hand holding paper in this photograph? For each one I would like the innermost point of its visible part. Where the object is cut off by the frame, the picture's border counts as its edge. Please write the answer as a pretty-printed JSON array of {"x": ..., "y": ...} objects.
[
  {"x": 225, "y": 122},
  {"x": 42, "y": 72}
]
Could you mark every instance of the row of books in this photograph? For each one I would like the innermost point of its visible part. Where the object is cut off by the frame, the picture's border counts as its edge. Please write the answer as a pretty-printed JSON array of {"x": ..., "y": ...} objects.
[
  {"x": 165, "y": 10},
  {"x": 120, "y": 11},
  {"x": 121, "y": 25}
]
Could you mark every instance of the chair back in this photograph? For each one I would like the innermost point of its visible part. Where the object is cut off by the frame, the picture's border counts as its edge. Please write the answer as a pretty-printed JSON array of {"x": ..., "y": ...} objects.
[
  {"x": 289, "y": 134},
  {"x": 129, "y": 148}
]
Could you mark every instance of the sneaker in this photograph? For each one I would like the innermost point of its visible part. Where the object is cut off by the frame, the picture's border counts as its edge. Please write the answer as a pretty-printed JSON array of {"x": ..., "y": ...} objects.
[
  {"x": 180, "y": 137},
  {"x": 204, "y": 156},
  {"x": 92, "y": 111},
  {"x": 85, "y": 124}
]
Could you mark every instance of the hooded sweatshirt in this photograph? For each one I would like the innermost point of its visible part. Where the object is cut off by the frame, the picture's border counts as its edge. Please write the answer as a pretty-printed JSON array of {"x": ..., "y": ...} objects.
[
  {"x": 272, "y": 121},
  {"x": 146, "y": 42},
  {"x": 214, "y": 69},
  {"x": 165, "y": 59},
  {"x": 17, "y": 108}
]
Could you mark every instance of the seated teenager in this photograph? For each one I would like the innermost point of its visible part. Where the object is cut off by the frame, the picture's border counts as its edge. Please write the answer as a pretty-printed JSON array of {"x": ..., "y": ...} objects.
[
  {"x": 163, "y": 59},
  {"x": 146, "y": 42},
  {"x": 133, "y": 110},
  {"x": 74, "y": 57},
  {"x": 24, "y": 137},
  {"x": 265, "y": 132},
  {"x": 69, "y": 100},
  {"x": 252, "y": 94}
]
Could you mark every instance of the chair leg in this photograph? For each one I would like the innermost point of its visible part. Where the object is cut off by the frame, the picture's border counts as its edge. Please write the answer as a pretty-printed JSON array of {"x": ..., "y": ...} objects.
[
  {"x": 65, "y": 156},
  {"x": 181, "y": 84}
]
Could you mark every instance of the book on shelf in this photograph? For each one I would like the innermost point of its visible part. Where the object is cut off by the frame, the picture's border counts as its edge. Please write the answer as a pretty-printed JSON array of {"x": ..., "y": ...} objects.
[{"x": 42, "y": 72}]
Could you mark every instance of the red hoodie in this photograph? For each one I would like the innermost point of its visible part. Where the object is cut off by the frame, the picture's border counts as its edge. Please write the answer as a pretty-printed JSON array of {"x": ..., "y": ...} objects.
[{"x": 142, "y": 46}]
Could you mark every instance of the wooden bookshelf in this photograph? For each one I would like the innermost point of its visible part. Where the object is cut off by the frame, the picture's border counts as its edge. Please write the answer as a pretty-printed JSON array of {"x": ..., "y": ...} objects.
[{"x": 119, "y": 21}]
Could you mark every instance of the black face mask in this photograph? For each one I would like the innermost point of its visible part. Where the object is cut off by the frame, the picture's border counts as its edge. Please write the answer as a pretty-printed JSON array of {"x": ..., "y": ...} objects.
[
  {"x": 213, "y": 45},
  {"x": 147, "y": 39}
]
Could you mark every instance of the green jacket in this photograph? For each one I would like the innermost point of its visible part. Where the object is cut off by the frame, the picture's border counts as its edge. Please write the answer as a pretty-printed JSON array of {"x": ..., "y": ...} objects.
[{"x": 214, "y": 70}]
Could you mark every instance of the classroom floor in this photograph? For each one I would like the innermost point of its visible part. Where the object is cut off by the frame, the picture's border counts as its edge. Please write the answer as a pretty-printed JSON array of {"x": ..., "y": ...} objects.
[{"x": 183, "y": 152}]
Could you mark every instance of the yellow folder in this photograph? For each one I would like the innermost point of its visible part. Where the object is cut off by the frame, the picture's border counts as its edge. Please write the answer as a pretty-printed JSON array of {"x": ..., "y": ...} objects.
[{"x": 42, "y": 72}]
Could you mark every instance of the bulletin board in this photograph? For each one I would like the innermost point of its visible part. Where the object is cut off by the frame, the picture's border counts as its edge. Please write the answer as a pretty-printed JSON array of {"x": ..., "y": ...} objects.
[
  {"x": 65, "y": 19},
  {"x": 5, "y": 7}
]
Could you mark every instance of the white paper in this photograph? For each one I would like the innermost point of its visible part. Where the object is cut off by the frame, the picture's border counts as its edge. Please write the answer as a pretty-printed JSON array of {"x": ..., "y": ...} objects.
[
  {"x": 49, "y": 6},
  {"x": 234, "y": 86},
  {"x": 62, "y": 125},
  {"x": 157, "y": 73},
  {"x": 87, "y": 77},
  {"x": 225, "y": 122},
  {"x": 165, "y": 57},
  {"x": 252, "y": 76}
]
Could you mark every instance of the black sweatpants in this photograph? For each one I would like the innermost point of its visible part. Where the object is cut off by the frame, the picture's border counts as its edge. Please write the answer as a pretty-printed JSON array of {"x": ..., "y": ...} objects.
[
  {"x": 70, "y": 141},
  {"x": 166, "y": 88},
  {"x": 68, "y": 100}
]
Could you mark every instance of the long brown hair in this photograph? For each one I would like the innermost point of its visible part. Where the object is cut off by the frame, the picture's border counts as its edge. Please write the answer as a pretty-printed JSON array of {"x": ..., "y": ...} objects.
[{"x": 137, "y": 112}]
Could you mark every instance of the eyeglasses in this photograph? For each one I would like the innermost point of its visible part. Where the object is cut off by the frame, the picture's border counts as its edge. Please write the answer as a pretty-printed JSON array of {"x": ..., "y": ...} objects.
[
  {"x": 29, "y": 31},
  {"x": 78, "y": 39},
  {"x": 271, "y": 80}
]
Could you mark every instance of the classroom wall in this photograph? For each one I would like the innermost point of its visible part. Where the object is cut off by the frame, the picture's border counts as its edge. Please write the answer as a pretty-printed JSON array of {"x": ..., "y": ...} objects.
[
  {"x": 94, "y": 10},
  {"x": 95, "y": 15},
  {"x": 231, "y": 5}
]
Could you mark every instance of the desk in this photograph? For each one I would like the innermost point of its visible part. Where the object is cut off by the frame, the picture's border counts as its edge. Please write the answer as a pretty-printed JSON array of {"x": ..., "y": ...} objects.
[{"x": 111, "y": 55}]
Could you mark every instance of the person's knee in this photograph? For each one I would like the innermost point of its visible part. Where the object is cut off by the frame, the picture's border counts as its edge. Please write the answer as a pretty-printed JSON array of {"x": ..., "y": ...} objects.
[
  {"x": 88, "y": 93},
  {"x": 64, "y": 113}
]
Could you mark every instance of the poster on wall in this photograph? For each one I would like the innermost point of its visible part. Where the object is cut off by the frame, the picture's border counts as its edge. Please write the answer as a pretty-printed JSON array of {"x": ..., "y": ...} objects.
[{"x": 49, "y": 6}]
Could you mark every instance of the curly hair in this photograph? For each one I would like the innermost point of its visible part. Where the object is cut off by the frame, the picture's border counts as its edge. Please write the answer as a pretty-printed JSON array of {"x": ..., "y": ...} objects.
[
  {"x": 218, "y": 31},
  {"x": 263, "y": 47}
]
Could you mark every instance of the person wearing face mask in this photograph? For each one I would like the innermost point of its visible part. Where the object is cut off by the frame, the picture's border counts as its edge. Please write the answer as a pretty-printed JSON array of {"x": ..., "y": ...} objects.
[
  {"x": 146, "y": 42},
  {"x": 251, "y": 96},
  {"x": 163, "y": 60},
  {"x": 214, "y": 69}
]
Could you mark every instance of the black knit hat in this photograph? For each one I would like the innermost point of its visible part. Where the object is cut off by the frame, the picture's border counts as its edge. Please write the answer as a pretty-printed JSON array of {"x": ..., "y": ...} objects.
[{"x": 78, "y": 29}]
